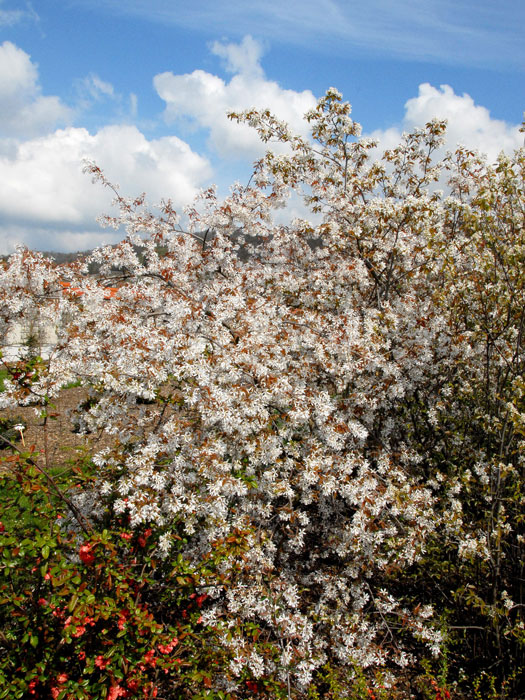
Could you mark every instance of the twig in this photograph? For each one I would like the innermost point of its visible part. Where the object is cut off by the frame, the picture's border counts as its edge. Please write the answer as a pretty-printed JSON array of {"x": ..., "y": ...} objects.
[{"x": 78, "y": 515}]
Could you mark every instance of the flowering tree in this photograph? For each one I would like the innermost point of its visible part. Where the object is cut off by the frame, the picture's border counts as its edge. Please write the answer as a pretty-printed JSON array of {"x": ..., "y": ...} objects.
[{"x": 309, "y": 406}]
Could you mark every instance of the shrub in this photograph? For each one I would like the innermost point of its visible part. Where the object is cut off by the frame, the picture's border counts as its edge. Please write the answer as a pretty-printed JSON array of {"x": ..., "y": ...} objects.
[
  {"x": 325, "y": 419},
  {"x": 91, "y": 613}
]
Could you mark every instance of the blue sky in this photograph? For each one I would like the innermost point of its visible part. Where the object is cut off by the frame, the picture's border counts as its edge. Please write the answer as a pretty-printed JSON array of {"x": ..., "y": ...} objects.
[{"x": 142, "y": 87}]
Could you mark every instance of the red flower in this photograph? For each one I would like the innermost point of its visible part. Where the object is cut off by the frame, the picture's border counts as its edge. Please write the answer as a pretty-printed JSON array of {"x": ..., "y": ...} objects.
[
  {"x": 116, "y": 691},
  {"x": 199, "y": 599},
  {"x": 101, "y": 662},
  {"x": 124, "y": 614},
  {"x": 86, "y": 554},
  {"x": 168, "y": 648},
  {"x": 148, "y": 657},
  {"x": 143, "y": 538}
]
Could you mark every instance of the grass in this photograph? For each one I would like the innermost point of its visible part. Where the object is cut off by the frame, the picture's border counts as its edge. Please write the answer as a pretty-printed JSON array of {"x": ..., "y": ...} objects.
[
  {"x": 72, "y": 385},
  {"x": 4, "y": 374}
]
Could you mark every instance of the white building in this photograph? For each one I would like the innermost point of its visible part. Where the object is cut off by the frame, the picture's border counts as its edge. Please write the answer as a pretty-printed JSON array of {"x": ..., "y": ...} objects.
[{"x": 36, "y": 334}]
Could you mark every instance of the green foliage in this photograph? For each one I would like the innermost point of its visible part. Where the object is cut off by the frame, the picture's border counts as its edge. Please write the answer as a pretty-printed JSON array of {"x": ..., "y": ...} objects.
[
  {"x": 95, "y": 614},
  {"x": 334, "y": 684},
  {"x": 73, "y": 384},
  {"x": 4, "y": 374}
]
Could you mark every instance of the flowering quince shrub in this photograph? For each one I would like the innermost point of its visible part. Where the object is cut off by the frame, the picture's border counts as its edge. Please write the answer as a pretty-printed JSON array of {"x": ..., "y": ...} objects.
[
  {"x": 325, "y": 421},
  {"x": 89, "y": 614}
]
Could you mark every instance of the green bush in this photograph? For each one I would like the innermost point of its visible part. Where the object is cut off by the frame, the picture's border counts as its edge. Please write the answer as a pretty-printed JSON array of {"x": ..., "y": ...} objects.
[{"x": 89, "y": 612}]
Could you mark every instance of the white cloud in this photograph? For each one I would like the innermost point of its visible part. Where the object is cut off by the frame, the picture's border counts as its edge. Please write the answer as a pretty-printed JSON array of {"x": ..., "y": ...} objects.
[
  {"x": 23, "y": 110},
  {"x": 203, "y": 100},
  {"x": 44, "y": 184},
  {"x": 97, "y": 87},
  {"x": 469, "y": 124},
  {"x": 45, "y": 200},
  {"x": 50, "y": 239},
  {"x": 48, "y": 203},
  {"x": 8, "y": 18},
  {"x": 242, "y": 58},
  {"x": 459, "y": 32},
  {"x": 98, "y": 97},
  {"x": 133, "y": 105}
]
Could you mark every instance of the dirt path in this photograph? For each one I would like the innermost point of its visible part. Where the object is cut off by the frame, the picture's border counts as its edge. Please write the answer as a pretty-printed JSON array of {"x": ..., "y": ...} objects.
[{"x": 63, "y": 444}]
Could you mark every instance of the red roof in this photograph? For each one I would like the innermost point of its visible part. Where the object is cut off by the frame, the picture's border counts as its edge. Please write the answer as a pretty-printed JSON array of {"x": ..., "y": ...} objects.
[{"x": 109, "y": 292}]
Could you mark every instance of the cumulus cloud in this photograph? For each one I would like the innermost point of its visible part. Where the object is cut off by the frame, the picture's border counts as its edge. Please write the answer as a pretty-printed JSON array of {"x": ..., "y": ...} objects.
[
  {"x": 469, "y": 124},
  {"x": 24, "y": 111},
  {"x": 48, "y": 203},
  {"x": 44, "y": 184},
  {"x": 202, "y": 100},
  {"x": 45, "y": 200},
  {"x": 244, "y": 57}
]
